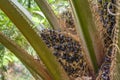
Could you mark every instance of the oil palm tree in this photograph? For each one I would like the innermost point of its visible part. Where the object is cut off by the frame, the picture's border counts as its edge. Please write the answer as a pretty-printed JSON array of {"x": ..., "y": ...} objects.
[{"x": 91, "y": 53}]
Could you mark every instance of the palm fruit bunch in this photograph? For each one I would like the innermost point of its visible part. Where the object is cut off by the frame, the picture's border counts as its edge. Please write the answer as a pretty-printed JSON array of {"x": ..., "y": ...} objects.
[
  {"x": 108, "y": 20},
  {"x": 67, "y": 21},
  {"x": 67, "y": 51}
]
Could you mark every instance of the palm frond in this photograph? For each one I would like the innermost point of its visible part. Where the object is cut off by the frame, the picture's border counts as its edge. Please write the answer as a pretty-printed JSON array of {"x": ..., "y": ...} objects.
[
  {"x": 26, "y": 59},
  {"x": 86, "y": 29},
  {"x": 24, "y": 24}
]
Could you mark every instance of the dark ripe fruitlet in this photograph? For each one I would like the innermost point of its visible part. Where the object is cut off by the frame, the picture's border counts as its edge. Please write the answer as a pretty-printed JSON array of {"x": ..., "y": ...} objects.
[
  {"x": 107, "y": 59},
  {"x": 109, "y": 31},
  {"x": 105, "y": 76},
  {"x": 105, "y": 5},
  {"x": 100, "y": 1},
  {"x": 67, "y": 51},
  {"x": 107, "y": 41},
  {"x": 110, "y": 51}
]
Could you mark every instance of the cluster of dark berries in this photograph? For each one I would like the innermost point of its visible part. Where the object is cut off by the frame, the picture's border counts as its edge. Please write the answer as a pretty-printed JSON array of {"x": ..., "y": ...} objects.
[
  {"x": 105, "y": 68},
  {"x": 67, "y": 15},
  {"x": 108, "y": 20},
  {"x": 68, "y": 21},
  {"x": 67, "y": 51}
]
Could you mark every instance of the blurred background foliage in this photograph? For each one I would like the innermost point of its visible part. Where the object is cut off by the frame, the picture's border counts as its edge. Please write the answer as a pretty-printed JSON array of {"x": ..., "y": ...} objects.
[{"x": 10, "y": 67}]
